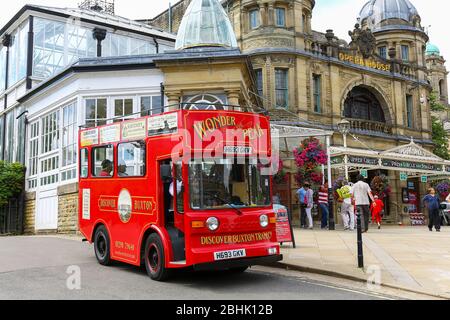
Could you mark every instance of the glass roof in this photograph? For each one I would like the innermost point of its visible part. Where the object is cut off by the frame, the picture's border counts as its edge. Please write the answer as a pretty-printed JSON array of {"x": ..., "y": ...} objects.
[
  {"x": 376, "y": 11},
  {"x": 205, "y": 24}
]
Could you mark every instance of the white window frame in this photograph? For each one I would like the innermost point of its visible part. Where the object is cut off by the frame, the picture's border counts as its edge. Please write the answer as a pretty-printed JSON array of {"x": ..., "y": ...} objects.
[
  {"x": 96, "y": 98},
  {"x": 113, "y": 100},
  {"x": 71, "y": 168},
  {"x": 33, "y": 157},
  {"x": 152, "y": 107}
]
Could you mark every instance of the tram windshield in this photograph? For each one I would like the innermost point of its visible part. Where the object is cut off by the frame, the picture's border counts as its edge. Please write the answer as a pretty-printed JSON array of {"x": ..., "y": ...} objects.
[{"x": 225, "y": 183}]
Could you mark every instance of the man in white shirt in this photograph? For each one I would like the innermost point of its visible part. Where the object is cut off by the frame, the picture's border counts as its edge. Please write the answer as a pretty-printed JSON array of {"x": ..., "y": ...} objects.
[
  {"x": 172, "y": 189},
  {"x": 361, "y": 193}
]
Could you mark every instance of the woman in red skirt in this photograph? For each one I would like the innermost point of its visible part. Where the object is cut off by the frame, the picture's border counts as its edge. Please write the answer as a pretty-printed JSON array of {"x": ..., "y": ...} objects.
[{"x": 376, "y": 211}]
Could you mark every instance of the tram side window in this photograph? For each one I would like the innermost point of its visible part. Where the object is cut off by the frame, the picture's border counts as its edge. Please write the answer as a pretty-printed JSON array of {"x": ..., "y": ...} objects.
[
  {"x": 103, "y": 162},
  {"x": 131, "y": 159},
  {"x": 84, "y": 163}
]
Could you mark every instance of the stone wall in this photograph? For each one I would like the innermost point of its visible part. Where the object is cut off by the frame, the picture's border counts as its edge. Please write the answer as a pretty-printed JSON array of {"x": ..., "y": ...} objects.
[
  {"x": 162, "y": 21},
  {"x": 68, "y": 209},
  {"x": 30, "y": 211}
]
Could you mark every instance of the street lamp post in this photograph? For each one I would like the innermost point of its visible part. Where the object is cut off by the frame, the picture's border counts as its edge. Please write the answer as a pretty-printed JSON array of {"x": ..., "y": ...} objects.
[{"x": 344, "y": 129}]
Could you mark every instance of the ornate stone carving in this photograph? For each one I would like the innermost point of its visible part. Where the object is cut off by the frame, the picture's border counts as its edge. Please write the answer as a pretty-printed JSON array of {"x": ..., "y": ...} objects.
[
  {"x": 364, "y": 41},
  {"x": 412, "y": 150},
  {"x": 316, "y": 68},
  {"x": 268, "y": 43},
  {"x": 283, "y": 60}
]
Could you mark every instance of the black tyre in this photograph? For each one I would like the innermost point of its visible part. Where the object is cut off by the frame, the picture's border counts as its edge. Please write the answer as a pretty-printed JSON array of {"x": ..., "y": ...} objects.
[
  {"x": 102, "y": 246},
  {"x": 154, "y": 259},
  {"x": 238, "y": 270}
]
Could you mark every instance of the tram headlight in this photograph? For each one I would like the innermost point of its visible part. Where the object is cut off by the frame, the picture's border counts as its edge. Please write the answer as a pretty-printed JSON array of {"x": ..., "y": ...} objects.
[
  {"x": 264, "y": 220},
  {"x": 212, "y": 223}
]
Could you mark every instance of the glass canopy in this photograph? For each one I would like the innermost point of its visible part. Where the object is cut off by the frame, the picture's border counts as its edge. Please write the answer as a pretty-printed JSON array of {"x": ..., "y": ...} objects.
[{"x": 205, "y": 24}]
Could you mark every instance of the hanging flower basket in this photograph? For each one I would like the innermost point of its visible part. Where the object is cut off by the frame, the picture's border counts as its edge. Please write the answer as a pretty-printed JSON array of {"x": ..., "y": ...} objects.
[
  {"x": 309, "y": 157},
  {"x": 443, "y": 189},
  {"x": 380, "y": 186}
]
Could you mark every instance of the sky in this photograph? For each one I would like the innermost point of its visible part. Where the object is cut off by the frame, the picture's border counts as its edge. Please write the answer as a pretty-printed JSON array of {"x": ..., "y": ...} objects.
[{"x": 339, "y": 15}]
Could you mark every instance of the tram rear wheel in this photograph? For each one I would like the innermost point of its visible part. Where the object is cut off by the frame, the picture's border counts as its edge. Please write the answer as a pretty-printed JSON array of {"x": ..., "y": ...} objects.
[
  {"x": 102, "y": 246},
  {"x": 155, "y": 259}
]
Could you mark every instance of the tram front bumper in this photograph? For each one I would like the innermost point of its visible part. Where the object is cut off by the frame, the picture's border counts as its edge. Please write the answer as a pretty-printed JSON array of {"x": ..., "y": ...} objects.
[{"x": 238, "y": 263}]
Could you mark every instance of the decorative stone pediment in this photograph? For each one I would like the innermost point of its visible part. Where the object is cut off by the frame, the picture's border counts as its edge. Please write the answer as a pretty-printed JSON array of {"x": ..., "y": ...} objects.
[{"x": 412, "y": 150}]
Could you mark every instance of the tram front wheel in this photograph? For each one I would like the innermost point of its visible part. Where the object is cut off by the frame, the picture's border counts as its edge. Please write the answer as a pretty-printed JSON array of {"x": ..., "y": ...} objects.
[
  {"x": 155, "y": 258},
  {"x": 102, "y": 246}
]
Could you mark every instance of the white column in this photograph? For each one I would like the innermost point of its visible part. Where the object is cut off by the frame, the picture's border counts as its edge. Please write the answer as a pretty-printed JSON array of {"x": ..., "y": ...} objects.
[
  {"x": 329, "y": 160},
  {"x": 345, "y": 158}
]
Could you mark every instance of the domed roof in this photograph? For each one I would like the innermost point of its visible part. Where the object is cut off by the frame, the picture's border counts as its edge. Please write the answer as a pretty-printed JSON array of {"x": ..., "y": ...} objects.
[
  {"x": 432, "y": 50},
  {"x": 375, "y": 12},
  {"x": 205, "y": 24}
]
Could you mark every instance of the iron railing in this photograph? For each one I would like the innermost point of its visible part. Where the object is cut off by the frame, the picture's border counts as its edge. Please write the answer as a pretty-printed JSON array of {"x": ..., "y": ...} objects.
[{"x": 11, "y": 217}]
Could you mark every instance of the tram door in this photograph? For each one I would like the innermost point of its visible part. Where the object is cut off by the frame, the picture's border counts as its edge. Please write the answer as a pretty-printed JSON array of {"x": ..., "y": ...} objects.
[{"x": 172, "y": 186}]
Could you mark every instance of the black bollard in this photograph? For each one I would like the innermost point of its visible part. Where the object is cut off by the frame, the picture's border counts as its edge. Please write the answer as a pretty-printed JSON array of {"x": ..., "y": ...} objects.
[
  {"x": 331, "y": 222},
  {"x": 360, "y": 240}
]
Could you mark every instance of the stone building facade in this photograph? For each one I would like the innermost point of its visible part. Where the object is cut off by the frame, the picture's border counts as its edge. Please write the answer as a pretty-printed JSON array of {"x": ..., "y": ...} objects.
[{"x": 379, "y": 81}]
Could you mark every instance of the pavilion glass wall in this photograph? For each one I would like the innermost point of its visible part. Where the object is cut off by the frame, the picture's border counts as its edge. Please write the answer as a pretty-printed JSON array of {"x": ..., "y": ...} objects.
[
  {"x": 2, "y": 68},
  {"x": 58, "y": 44},
  {"x": 17, "y": 69},
  {"x": 119, "y": 45}
]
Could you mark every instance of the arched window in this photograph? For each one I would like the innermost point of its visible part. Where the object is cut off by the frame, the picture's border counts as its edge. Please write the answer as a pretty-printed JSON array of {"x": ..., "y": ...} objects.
[
  {"x": 205, "y": 102},
  {"x": 442, "y": 88},
  {"x": 362, "y": 104}
]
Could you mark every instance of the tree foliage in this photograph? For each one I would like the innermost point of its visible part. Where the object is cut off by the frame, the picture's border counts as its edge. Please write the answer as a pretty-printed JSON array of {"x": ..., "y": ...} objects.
[
  {"x": 12, "y": 177},
  {"x": 439, "y": 135}
]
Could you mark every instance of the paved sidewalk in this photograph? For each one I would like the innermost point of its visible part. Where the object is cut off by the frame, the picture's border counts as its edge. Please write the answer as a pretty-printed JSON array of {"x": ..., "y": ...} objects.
[{"x": 409, "y": 257}]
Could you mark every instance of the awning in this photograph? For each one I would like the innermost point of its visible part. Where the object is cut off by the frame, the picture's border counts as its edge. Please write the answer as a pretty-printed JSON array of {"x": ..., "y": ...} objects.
[
  {"x": 411, "y": 159},
  {"x": 286, "y": 138}
]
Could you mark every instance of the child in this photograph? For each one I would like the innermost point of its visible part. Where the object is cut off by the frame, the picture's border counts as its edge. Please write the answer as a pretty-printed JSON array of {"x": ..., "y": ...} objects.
[
  {"x": 432, "y": 203},
  {"x": 377, "y": 208}
]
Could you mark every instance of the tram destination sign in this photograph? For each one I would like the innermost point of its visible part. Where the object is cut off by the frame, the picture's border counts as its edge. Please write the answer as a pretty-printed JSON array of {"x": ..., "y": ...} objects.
[{"x": 411, "y": 165}]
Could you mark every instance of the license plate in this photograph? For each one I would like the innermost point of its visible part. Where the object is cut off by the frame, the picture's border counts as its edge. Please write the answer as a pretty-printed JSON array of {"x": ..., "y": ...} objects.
[{"x": 232, "y": 254}]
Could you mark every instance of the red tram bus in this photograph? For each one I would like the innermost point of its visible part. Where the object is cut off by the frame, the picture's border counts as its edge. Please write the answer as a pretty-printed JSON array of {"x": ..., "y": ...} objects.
[{"x": 179, "y": 189}]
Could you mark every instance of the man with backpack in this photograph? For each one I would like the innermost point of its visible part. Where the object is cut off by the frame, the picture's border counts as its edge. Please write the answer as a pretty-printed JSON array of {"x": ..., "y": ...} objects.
[{"x": 347, "y": 209}]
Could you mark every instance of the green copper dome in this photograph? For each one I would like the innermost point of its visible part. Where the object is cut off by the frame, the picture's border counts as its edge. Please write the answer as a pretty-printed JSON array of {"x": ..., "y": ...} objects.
[
  {"x": 205, "y": 24},
  {"x": 432, "y": 50}
]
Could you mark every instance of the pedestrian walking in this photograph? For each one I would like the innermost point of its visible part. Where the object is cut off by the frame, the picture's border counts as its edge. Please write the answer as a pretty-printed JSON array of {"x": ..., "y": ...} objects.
[
  {"x": 301, "y": 194},
  {"x": 431, "y": 201},
  {"x": 377, "y": 209},
  {"x": 347, "y": 208},
  {"x": 362, "y": 194},
  {"x": 309, "y": 201},
  {"x": 324, "y": 205}
]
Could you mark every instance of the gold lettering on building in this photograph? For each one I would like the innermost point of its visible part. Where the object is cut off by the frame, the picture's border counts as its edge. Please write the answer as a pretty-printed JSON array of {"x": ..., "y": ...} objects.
[{"x": 369, "y": 63}]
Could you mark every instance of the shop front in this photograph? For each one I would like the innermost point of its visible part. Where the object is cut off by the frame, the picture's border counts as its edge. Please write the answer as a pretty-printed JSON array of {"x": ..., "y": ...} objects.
[{"x": 405, "y": 173}]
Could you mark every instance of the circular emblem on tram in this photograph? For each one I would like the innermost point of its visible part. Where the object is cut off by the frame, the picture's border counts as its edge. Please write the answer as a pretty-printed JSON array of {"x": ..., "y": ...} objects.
[{"x": 124, "y": 205}]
